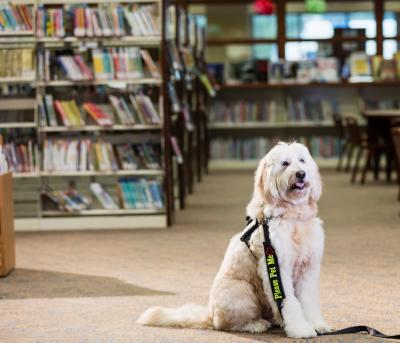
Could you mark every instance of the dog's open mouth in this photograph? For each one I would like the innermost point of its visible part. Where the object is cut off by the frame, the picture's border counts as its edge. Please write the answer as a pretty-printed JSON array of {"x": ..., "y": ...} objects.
[{"x": 299, "y": 185}]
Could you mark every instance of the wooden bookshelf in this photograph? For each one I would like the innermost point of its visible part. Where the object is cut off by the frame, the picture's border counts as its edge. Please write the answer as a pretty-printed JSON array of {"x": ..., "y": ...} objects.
[
  {"x": 359, "y": 91},
  {"x": 138, "y": 172},
  {"x": 93, "y": 218},
  {"x": 191, "y": 94},
  {"x": 89, "y": 128},
  {"x": 105, "y": 41},
  {"x": 231, "y": 164},
  {"x": 260, "y": 85},
  {"x": 16, "y": 80},
  {"x": 268, "y": 125},
  {"x": 110, "y": 83},
  {"x": 78, "y": 2}
]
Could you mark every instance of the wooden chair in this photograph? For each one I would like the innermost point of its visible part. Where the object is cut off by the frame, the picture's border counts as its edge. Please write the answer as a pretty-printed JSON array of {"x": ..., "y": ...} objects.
[
  {"x": 379, "y": 143},
  {"x": 396, "y": 144},
  {"x": 356, "y": 143},
  {"x": 340, "y": 134}
]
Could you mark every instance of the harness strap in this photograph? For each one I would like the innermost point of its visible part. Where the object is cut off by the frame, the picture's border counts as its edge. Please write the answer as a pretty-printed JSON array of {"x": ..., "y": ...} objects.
[
  {"x": 272, "y": 264},
  {"x": 247, "y": 235},
  {"x": 274, "y": 276}
]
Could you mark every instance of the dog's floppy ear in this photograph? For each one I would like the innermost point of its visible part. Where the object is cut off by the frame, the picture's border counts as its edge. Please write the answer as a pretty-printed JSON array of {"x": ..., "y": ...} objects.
[
  {"x": 254, "y": 208},
  {"x": 264, "y": 190},
  {"x": 316, "y": 185}
]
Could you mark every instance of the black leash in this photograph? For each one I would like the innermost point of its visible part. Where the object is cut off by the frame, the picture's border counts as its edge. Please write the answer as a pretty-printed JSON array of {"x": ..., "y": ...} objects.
[{"x": 272, "y": 265}]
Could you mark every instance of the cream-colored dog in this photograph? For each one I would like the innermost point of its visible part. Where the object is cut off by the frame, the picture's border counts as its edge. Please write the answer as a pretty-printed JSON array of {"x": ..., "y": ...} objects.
[{"x": 287, "y": 187}]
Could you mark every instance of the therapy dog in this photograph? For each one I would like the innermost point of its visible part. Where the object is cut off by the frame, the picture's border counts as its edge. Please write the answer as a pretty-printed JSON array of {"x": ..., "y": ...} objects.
[{"x": 287, "y": 187}]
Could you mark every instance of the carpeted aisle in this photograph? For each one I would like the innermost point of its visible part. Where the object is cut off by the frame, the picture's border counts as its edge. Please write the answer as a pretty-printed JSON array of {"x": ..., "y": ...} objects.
[{"x": 91, "y": 286}]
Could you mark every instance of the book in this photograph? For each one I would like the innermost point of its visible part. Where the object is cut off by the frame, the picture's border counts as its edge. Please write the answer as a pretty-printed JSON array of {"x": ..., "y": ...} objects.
[
  {"x": 97, "y": 114},
  {"x": 21, "y": 157},
  {"x": 360, "y": 67},
  {"x": 255, "y": 148},
  {"x": 148, "y": 155},
  {"x": 102, "y": 196},
  {"x": 117, "y": 63},
  {"x": 142, "y": 20},
  {"x": 150, "y": 64},
  {"x": 69, "y": 200},
  {"x": 177, "y": 150},
  {"x": 15, "y": 18},
  {"x": 144, "y": 109},
  {"x": 69, "y": 113},
  {"x": 98, "y": 155},
  {"x": 388, "y": 70},
  {"x": 176, "y": 105},
  {"x": 141, "y": 193},
  {"x": 121, "y": 110},
  {"x": 74, "y": 68},
  {"x": 244, "y": 111},
  {"x": 50, "y": 112},
  {"x": 126, "y": 157},
  {"x": 17, "y": 63}
]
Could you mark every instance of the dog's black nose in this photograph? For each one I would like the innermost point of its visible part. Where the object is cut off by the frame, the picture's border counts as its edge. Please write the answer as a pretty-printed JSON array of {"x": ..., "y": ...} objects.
[{"x": 301, "y": 174}]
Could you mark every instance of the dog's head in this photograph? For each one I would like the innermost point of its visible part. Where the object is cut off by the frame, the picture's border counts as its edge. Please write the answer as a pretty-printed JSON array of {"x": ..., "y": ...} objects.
[{"x": 287, "y": 174}]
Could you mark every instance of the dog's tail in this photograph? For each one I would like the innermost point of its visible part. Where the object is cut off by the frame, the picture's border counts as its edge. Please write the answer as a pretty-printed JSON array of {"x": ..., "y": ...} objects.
[{"x": 186, "y": 316}]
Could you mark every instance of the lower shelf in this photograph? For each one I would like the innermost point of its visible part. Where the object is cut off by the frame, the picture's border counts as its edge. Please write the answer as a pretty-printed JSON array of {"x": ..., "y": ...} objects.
[
  {"x": 156, "y": 221},
  {"x": 102, "y": 212},
  {"x": 252, "y": 164}
]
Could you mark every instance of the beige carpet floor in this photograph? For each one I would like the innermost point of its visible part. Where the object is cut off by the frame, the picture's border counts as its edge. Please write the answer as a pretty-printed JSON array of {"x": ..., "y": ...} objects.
[{"x": 91, "y": 286}]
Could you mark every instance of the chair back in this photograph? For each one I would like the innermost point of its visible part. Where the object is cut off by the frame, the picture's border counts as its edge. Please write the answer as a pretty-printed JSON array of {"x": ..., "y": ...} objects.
[
  {"x": 339, "y": 127},
  {"x": 352, "y": 130},
  {"x": 396, "y": 144}
]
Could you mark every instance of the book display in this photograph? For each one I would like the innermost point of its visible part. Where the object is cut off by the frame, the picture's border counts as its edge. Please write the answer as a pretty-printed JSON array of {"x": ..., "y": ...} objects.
[{"x": 86, "y": 115}]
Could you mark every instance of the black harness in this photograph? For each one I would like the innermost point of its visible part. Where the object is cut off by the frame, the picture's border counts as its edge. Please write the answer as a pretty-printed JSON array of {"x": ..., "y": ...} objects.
[{"x": 272, "y": 265}]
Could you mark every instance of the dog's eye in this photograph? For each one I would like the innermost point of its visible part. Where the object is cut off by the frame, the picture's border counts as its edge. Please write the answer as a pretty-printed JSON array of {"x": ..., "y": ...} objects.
[
  {"x": 302, "y": 160},
  {"x": 285, "y": 163}
]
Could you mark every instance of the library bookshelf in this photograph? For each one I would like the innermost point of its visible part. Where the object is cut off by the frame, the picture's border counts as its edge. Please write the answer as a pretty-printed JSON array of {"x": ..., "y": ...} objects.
[
  {"x": 189, "y": 98},
  {"x": 31, "y": 210},
  {"x": 352, "y": 95}
]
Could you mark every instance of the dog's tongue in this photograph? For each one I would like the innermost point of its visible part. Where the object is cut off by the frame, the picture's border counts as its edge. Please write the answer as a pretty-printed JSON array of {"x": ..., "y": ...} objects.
[{"x": 299, "y": 184}]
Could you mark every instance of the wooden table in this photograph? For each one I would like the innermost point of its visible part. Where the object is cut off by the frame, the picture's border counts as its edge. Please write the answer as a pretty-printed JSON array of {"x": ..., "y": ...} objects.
[
  {"x": 379, "y": 123},
  {"x": 391, "y": 113}
]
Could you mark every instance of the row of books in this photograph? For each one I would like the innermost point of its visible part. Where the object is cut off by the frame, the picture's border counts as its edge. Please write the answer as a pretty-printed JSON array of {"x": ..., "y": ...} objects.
[
  {"x": 87, "y": 155},
  {"x": 359, "y": 67},
  {"x": 256, "y": 148},
  {"x": 103, "y": 64},
  {"x": 243, "y": 111},
  {"x": 17, "y": 63},
  {"x": 132, "y": 193},
  {"x": 141, "y": 194},
  {"x": 21, "y": 158},
  {"x": 15, "y": 18},
  {"x": 387, "y": 104},
  {"x": 266, "y": 111},
  {"x": 368, "y": 68},
  {"x": 101, "y": 21},
  {"x": 323, "y": 69},
  {"x": 311, "y": 110},
  {"x": 125, "y": 110}
]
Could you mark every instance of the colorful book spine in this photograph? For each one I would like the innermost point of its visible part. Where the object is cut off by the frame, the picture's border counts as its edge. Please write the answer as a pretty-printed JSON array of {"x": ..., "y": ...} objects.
[
  {"x": 141, "y": 194},
  {"x": 15, "y": 18},
  {"x": 21, "y": 157}
]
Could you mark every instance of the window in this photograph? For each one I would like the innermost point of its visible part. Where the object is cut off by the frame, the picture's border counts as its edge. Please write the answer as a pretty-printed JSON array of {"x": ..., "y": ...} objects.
[{"x": 264, "y": 26}]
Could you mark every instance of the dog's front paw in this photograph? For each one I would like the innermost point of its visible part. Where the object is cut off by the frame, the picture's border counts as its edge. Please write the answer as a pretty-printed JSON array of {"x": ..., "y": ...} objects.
[
  {"x": 300, "y": 330},
  {"x": 322, "y": 327}
]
